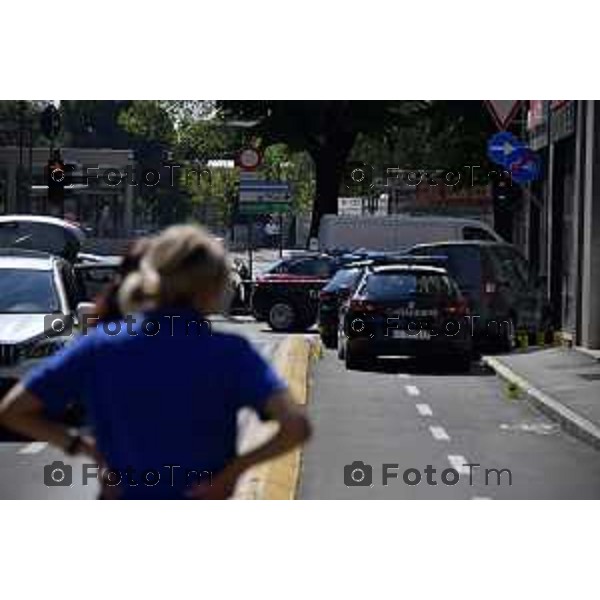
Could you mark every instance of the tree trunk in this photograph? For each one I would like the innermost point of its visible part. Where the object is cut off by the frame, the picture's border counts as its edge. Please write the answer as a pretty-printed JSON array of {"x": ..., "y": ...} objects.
[{"x": 330, "y": 161}]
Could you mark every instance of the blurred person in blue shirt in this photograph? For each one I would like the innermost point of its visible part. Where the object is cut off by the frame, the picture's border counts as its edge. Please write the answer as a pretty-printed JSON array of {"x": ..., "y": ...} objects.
[{"x": 160, "y": 389}]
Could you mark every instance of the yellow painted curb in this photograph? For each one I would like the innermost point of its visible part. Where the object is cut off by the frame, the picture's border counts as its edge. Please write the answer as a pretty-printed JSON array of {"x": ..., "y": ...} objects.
[{"x": 278, "y": 479}]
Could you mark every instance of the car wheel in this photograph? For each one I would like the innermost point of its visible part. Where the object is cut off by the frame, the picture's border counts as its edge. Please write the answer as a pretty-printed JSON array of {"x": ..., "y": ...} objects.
[
  {"x": 329, "y": 339},
  {"x": 356, "y": 360},
  {"x": 282, "y": 316}
]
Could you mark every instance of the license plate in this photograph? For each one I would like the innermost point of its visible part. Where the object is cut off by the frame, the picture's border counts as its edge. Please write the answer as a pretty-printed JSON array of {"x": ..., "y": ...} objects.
[{"x": 411, "y": 335}]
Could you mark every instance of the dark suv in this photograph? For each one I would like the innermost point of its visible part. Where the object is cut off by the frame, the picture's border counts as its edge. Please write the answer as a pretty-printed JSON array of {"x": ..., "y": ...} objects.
[
  {"x": 504, "y": 296},
  {"x": 405, "y": 309}
]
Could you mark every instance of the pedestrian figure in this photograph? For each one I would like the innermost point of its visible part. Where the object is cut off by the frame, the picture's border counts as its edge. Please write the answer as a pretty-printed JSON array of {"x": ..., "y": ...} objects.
[
  {"x": 272, "y": 233},
  {"x": 162, "y": 394}
]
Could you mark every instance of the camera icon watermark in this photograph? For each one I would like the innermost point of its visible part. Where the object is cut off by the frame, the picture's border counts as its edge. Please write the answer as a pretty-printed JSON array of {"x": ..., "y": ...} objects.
[
  {"x": 358, "y": 176},
  {"x": 57, "y": 474},
  {"x": 58, "y": 325},
  {"x": 358, "y": 474}
]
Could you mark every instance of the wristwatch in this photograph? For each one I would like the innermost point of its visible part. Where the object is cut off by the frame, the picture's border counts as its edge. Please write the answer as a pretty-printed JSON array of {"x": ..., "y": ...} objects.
[{"x": 73, "y": 443}]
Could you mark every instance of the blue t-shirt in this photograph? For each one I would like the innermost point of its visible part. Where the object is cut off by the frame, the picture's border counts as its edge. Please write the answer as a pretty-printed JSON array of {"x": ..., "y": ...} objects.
[{"x": 162, "y": 396}]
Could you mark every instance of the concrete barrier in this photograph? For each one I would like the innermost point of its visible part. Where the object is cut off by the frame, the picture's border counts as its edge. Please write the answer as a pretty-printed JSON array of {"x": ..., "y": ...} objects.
[{"x": 278, "y": 479}]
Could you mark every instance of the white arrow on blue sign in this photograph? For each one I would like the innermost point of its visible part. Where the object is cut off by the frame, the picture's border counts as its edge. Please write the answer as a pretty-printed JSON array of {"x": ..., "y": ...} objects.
[{"x": 504, "y": 149}]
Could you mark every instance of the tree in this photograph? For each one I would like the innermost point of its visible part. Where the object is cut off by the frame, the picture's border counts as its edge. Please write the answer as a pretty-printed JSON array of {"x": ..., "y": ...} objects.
[
  {"x": 19, "y": 118},
  {"x": 95, "y": 123},
  {"x": 152, "y": 136},
  {"x": 326, "y": 129}
]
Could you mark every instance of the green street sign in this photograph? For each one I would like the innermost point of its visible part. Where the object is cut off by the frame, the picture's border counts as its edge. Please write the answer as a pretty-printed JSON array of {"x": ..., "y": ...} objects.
[{"x": 261, "y": 208}]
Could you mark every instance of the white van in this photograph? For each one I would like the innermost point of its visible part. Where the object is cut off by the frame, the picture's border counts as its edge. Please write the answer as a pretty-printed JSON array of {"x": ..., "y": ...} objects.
[{"x": 397, "y": 232}]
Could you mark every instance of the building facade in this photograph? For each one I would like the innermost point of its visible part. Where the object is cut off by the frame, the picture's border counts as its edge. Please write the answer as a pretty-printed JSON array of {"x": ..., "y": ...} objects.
[
  {"x": 561, "y": 214},
  {"x": 96, "y": 202}
]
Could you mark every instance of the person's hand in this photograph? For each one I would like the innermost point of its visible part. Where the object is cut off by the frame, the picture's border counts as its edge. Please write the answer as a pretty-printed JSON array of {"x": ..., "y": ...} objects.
[
  {"x": 87, "y": 447},
  {"x": 220, "y": 487}
]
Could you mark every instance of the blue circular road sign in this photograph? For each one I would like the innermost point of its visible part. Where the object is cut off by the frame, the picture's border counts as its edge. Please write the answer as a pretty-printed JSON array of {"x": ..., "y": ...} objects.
[
  {"x": 504, "y": 149},
  {"x": 526, "y": 168}
]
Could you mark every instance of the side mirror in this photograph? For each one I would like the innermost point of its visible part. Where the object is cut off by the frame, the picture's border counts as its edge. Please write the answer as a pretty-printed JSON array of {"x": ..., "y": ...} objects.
[{"x": 86, "y": 308}]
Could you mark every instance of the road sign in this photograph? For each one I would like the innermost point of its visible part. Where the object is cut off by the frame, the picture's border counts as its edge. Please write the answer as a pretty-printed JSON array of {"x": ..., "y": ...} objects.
[
  {"x": 263, "y": 191},
  {"x": 504, "y": 148},
  {"x": 263, "y": 208},
  {"x": 350, "y": 206},
  {"x": 249, "y": 159},
  {"x": 503, "y": 111},
  {"x": 526, "y": 168}
]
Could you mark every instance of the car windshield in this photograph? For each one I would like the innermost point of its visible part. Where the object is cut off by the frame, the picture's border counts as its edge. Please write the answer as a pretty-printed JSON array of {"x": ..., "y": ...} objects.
[
  {"x": 27, "y": 291},
  {"x": 392, "y": 286}
]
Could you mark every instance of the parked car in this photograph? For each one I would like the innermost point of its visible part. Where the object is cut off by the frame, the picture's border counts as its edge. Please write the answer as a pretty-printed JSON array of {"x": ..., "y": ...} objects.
[
  {"x": 42, "y": 234},
  {"x": 339, "y": 287},
  {"x": 45, "y": 283},
  {"x": 286, "y": 295},
  {"x": 503, "y": 294},
  {"x": 397, "y": 233},
  {"x": 405, "y": 309}
]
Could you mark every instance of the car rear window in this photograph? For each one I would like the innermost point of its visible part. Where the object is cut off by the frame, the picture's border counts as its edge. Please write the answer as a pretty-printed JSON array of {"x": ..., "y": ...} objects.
[
  {"x": 344, "y": 277},
  {"x": 464, "y": 263},
  {"x": 310, "y": 267},
  {"x": 391, "y": 286}
]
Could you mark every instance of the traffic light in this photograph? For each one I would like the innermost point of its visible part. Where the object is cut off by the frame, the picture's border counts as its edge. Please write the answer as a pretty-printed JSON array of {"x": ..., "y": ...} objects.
[
  {"x": 56, "y": 177},
  {"x": 506, "y": 195},
  {"x": 505, "y": 192}
]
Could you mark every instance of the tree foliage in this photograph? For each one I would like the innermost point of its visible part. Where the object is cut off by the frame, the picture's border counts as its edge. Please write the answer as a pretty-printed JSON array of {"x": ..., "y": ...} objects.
[
  {"x": 94, "y": 123},
  {"x": 325, "y": 129}
]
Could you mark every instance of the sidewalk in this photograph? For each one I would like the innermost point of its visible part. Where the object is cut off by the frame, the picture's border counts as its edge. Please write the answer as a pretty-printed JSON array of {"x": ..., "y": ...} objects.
[{"x": 561, "y": 382}]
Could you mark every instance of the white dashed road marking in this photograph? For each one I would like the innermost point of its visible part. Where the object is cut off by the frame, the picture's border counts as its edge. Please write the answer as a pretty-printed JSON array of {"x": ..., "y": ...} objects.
[
  {"x": 403, "y": 375},
  {"x": 412, "y": 390},
  {"x": 480, "y": 498},
  {"x": 33, "y": 448},
  {"x": 458, "y": 463},
  {"x": 424, "y": 410},
  {"x": 439, "y": 433}
]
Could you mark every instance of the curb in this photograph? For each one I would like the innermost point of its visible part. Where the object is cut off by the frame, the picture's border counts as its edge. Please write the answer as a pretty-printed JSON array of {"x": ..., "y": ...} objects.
[
  {"x": 569, "y": 420},
  {"x": 595, "y": 354},
  {"x": 278, "y": 479}
]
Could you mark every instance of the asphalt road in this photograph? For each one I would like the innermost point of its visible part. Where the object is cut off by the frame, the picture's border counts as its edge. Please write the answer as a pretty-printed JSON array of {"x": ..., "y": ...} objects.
[
  {"x": 404, "y": 414},
  {"x": 22, "y": 465},
  {"x": 410, "y": 416}
]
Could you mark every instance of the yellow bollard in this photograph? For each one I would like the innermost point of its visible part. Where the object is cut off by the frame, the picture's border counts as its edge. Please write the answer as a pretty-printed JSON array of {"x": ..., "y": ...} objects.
[
  {"x": 512, "y": 391},
  {"x": 522, "y": 339},
  {"x": 540, "y": 338}
]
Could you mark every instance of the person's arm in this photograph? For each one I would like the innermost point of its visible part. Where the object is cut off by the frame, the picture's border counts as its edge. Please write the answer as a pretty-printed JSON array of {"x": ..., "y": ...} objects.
[
  {"x": 23, "y": 412},
  {"x": 294, "y": 429}
]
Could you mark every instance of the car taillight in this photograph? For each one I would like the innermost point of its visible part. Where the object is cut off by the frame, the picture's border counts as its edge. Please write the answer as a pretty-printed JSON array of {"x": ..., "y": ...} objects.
[
  {"x": 362, "y": 306},
  {"x": 460, "y": 308},
  {"x": 489, "y": 287}
]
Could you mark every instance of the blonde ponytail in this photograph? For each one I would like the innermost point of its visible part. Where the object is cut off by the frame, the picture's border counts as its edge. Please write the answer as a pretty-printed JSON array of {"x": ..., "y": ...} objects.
[{"x": 176, "y": 264}]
